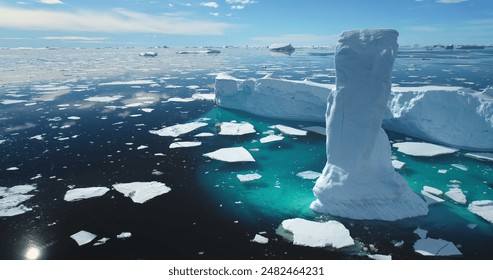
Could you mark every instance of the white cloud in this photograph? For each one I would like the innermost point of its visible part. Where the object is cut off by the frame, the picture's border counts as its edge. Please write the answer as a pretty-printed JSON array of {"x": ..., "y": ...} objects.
[
  {"x": 450, "y": 1},
  {"x": 210, "y": 4},
  {"x": 239, "y": 4},
  {"x": 117, "y": 20},
  {"x": 214, "y": 14},
  {"x": 50, "y": 2},
  {"x": 237, "y": 7}
]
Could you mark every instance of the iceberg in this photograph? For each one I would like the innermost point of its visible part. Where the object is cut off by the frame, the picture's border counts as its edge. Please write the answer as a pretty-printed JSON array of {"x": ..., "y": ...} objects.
[
  {"x": 419, "y": 149},
  {"x": 234, "y": 154},
  {"x": 233, "y": 128},
  {"x": 435, "y": 247},
  {"x": 178, "y": 129},
  {"x": 141, "y": 192},
  {"x": 315, "y": 234},
  {"x": 359, "y": 181},
  {"x": 83, "y": 237},
  {"x": 482, "y": 208},
  {"x": 84, "y": 193}
]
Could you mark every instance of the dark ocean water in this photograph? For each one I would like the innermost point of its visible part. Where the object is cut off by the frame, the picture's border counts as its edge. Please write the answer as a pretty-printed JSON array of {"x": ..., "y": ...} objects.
[{"x": 51, "y": 137}]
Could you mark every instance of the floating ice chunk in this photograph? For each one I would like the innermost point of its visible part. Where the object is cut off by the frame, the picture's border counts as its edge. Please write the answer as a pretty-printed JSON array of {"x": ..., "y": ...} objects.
[
  {"x": 315, "y": 234},
  {"x": 12, "y": 168},
  {"x": 421, "y": 232},
  {"x": 74, "y": 118},
  {"x": 233, "y": 128},
  {"x": 184, "y": 144},
  {"x": 397, "y": 164},
  {"x": 260, "y": 239},
  {"x": 135, "y": 104},
  {"x": 141, "y": 192},
  {"x": 12, "y": 101},
  {"x": 435, "y": 247},
  {"x": 120, "y": 83},
  {"x": 147, "y": 110},
  {"x": 83, "y": 237},
  {"x": 101, "y": 241},
  {"x": 124, "y": 235},
  {"x": 178, "y": 129},
  {"x": 309, "y": 175},
  {"x": 13, "y": 211},
  {"x": 399, "y": 244},
  {"x": 482, "y": 156},
  {"x": 2, "y": 141},
  {"x": 289, "y": 130},
  {"x": 380, "y": 257},
  {"x": 180, "y": 100},
  {"x": 442, "y": 171},
  {"x": 234, "y": 154},
  {"x": 482, "y": 208},
  {"x": 432, "y": 190},
  {"x": 106, "y": 99},
  {"x": 248, "y": 177},
  {"x": 204, "y": 96},
  {"x": 456, "y": 195},
  {"x": 430, "y": 198},
  {"x": 420, "y": 149},
  {"x": 204, "y": 134},
  {"x": 142, "y": 147},
  {"x": 271, "y": 138},
  {"x": 20, "y": 189},
  {"x": 317, "y": 129},
  {"x": 84, "y": 193},
  {"x": 460, "y": 166}
]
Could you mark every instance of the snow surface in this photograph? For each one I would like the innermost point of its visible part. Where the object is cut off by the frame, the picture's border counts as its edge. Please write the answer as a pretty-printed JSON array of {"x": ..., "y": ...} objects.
[
  {"x": 83, "y": 237},
  {"x": 482, "y": 208},
  {"x": 84, "y": 193},
  {"x": 315, "y": 234},
  {"x": 248, "y": 177},
  {"x": 178, "y": 129},
  {"x": 290, "y": 130},
  {"x": 359, "y": 181},
  {"x": 234, "y": 154},
  {"x": 420, "y": 149},
  {"x": 234, "y": 128},
  {"x": 141, "y": 192},
  {"x": 184, "y": 144},
  {"x": 435, "y": 247}
]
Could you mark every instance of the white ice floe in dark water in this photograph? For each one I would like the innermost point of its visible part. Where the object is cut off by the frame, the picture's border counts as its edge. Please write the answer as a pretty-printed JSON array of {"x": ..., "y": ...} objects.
[
  {"x": 430, "y": 198},
  {"x": 315, "y": 234},
  {"x": 420, "y": 232},
  {"x": 234, "y": 154},
  {"x": 248, "y": 177},
  {"x": 12, "y": 101},
  {"x": 178, "y": 129},
  {"x": 135, "y": 82},
  {"x": 397, "y": 164},
  {"x": 482, "y": 208},
  {"x": 13, "y": 168},
  {"x": 142, "y": 147},
  {"x": 11, "y": 200},
  {"x": 180, "y": 99},
  {"x": 234, "y": 128},
  {"x": 74, "y": 118},
  {"x": 83, "y": 237},
  {"x": 456, "y": 195},
  {"x": 432, "y": 190},
  {"x": 204, "y": 96},
  {"x": 84, "y": 193},
  {"x": 380, "y": 257},
  {"x": 271, "y": 138},
  {"x": 289, "y": 130},
  {"x": 36, "y": 137},
  {"x": 309, "y": 175},
  {"x": 482, "y": 156},
  {"x": 124, "y": 235},
  {"x": 460, "y": 166},
  {"x": 184, "y": 144},
  {"x": 141, "y": 192},
  {"x": 420, "y": 149},
  {"x": 260, "y": 239},
  {"x": 204, "y": 134},
  {"x": 101, "y": 241},
  {"x": 435, "y": 247},
  {"x": 104, "y": 99},
  {"x": 147, "y": 110}
]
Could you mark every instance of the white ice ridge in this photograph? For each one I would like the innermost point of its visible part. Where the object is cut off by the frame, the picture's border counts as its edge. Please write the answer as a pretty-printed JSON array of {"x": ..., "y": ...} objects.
[
  {"x": 315, "y": 234},
  {"x": 234, "y": 154},
  {"x": 141, "y": 192},
  {"x": 359, "y": 181},
  {"x": 178, "y": 129},
  {"x": 84, "y": 193}
]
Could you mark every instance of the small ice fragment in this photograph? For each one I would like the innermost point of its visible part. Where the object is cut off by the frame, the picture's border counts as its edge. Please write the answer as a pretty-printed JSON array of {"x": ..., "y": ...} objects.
[
  {"x": 481, "y": 156},
  {"x": 260, "y": 239},
  {"x": 460, "y": 166},
  {"x": 104, "y": 98},
  {"x": 74, "y": 118},
  {"x": 432, "y": 190},
  {"x": 179, "y": 99},
  {"x": 233, "y": 128},
  {"x": 141, "y": 192},
  {"x": 399, "y": 244},
  {"x": 184, "y": 144},
  {"x": 84, "y": 193},
  {"x": 380, "y": 257},
  {"x": 421, "y": 232},
  {"x": 456, "y": 195},
  {"x": 101, "y": 241},
  {"x": 442, "y": 171},
  {"x": 141, "y": 147},
  {"x": 12, "y": 168},
  {"x": 124, "y": 235},
  {"x": 271, "y": 138},
  {"x": 178, "y": 129},
  {"x": 83, "y": 237},
  {"x": 435, "y": 247},
  {"x": 482, "y": 208},
  {"x": 235, "y": 154},
  {"x": 147, "y": 110},
  {"x": 430, "y": 198},
  {"x": 204, "y": 96},
  {"x": 397, "y": 164},
  {"x": 248, "y": 177},
  {"x": 309, "y": 175},
  {"x": 204, "y": 134},
  {"x": 36, "y": 137},
  {"x": 422, "y": 149},
  {"x": 472, "y": 226},
  {"x": 290, "y": 130}
]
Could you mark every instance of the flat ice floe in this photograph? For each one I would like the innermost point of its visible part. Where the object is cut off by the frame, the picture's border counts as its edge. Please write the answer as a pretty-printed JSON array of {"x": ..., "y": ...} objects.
[
  {"x": 397, "y": 164},
  {"x": 204, "y": 96},
  {"x": 234, "y": 128},
  {"x": 104, "y": 99},
  {"x": 178, "y": 129},
  {"x": 184, "y": 144},
  {"x": 456, "y": 195},
  {"x": 83, "y": 237},
  {"x": 133, "y": 83},
  {"x": 234, "y": 154},
  {"x": 315, "y": 234},
  {"x": 124, "y": 235},
  {"x": 141, "y": 192},
  {"x": 435, "y": 247},
  {"x": 271, "y": 138},
  {"x": 11, "y": 200},
  {"x": 248, "y": 177},
  {"x": 482, "y": 208},
  {"x": 430, "y": 198},
  {"x": 260, "y": 239},
  {"x": 482, "y": 156},
  {"x": 309, "y": 175},
  {"x": 317, "y": 129},
  {"x": 85, "y": 193},
  {"x": 420, "y": 149},
  {"x": 290, "y": 130},
  {"x": 204, "y": 134}
]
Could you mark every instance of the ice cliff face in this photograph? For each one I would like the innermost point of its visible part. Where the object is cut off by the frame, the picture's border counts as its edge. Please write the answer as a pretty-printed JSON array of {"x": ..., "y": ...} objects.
[{"x": 358, "y": 180}]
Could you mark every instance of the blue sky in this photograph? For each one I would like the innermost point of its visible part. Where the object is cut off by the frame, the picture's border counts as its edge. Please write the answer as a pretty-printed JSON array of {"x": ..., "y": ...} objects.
[{"x": 143, "y": 23}]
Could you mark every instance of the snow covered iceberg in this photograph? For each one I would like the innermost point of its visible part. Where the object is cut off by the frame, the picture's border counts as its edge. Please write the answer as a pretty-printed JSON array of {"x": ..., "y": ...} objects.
[{"x": 358, "y": 180}]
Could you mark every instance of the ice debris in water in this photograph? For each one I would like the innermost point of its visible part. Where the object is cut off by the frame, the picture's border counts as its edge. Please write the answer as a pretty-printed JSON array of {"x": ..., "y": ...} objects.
[
  {"x": 11, "y": 200},
  {"x": 178, "y": 129},
  {"x": 420, "y": 232},
  {"x": 309, "y": 175},
  {"x": 248, "y": 177},
  {"x": 260, "y": 239},
  {"x": 316, "y": 234},
  {"x": 83, "y": 237},
  {"x": 435, "y": 247},
  {"x": 380, "y": 257},
  {"x": 184, "y": 144},
  {"x": 101, "y": 241},
  {"x": 124, "y": 235},
  {"x": 397, "y": 164},
  {"x": 482, "y": 208},
  {"x": 456, "y": 195},
  {"x": 271, "y": 138},
  {"x": 290, "y": 130},
  {"x": 481, "y": 156},
  {"x": 85, "y": 193},
  {"x": 234, "y": 154},
  {"x": 141, "y": 192},
  {"x": 420, "y": 149},
  {"x": 105, "y": 99},
  {"x": 233, "y": 128}
]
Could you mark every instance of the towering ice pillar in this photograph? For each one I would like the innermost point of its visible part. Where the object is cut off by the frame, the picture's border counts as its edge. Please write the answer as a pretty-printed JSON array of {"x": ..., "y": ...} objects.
[{"x": 358, "y": 180}]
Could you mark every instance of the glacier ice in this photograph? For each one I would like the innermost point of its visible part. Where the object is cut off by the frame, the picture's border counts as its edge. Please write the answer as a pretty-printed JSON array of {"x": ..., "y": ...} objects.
[
  {"x": 234, "y": 154},
  {"x": 482, "y": 208},
  {"x": 141, "y": 192},
  {"x": 359, "y": 181},
  {"x": 84, "y": 193}
]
